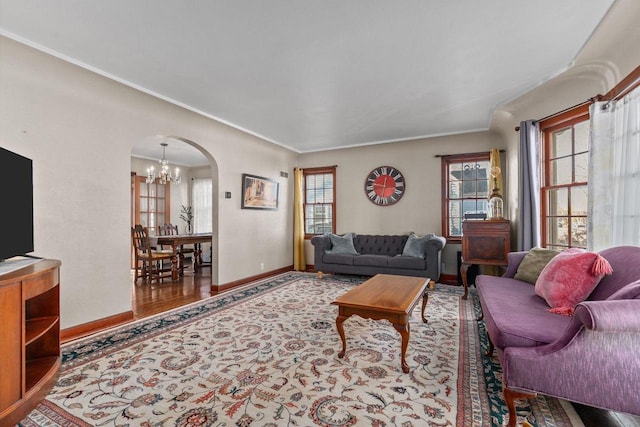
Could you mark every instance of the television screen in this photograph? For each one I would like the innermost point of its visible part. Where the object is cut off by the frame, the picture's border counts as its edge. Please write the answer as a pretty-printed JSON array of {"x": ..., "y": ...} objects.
[{"x": 16, "y": 213}]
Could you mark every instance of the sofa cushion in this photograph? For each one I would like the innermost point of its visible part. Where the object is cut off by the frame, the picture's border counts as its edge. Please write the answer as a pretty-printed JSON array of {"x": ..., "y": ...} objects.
[
  {"x": 416, "y": 246},
  {"x": 343, "y": 259},
  {"x": 515, "y": 315},
  {"x": 569, "y": 278},
  {"x": 371, "y": 260},
  {"x": 533, "y": 263},
  {"x": 409, "y": 262},
  {"x": 390, "y": 245},
  {"x": 341, "y": 244}
]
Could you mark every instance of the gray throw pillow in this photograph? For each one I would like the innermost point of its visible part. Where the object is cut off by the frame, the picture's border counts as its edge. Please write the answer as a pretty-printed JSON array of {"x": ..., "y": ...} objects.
[
  {"x": 416, "y": 246},
  {"x": 533, "y": 263},
  {"x": 342, "y": 244}
]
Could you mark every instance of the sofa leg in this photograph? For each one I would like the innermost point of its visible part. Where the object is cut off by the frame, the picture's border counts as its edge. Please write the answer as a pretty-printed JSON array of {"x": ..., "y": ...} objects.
[
  {"x": 489, "y": 352},
  {"x": 509, "y": 398}
]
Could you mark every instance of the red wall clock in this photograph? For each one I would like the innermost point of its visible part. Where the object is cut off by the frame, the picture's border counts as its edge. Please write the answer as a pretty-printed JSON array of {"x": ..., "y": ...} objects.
[{"x": 384, "y": 186}]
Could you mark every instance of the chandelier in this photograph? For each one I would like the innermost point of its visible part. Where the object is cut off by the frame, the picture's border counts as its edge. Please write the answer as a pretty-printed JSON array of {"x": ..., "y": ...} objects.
[{"x": 165, "y": 172}]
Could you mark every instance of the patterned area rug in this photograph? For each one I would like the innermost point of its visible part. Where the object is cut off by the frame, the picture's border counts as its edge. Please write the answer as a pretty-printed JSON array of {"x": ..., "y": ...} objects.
[{"x": 266, "y": 355}]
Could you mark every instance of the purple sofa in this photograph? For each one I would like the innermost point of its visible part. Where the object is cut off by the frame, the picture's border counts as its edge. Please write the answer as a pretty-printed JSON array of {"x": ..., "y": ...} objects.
[{"x": 591, "y": 358}]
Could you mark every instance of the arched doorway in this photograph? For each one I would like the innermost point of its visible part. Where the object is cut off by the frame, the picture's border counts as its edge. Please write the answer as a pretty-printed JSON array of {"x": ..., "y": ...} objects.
[{"x": 154, "y": 203}]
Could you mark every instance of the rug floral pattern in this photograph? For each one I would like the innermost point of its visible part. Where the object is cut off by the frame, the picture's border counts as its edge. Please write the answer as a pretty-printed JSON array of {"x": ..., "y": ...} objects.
[{"x": 266, "y": 355}]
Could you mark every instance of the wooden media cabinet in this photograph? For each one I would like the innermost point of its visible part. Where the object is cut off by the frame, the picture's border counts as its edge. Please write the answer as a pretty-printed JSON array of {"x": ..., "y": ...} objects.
[{"x": 29, "y": 337}]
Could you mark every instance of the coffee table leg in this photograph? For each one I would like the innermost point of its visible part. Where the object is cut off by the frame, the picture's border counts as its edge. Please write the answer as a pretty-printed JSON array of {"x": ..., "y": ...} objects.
[
  {"x": 425, "y": 299},
  {"x": 339, "y": 321},
  {"x": 404, "y": 333}
]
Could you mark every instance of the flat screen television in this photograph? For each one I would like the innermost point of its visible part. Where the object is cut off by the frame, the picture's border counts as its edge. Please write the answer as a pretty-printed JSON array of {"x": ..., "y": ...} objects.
[{"x": 16, "y": 212}]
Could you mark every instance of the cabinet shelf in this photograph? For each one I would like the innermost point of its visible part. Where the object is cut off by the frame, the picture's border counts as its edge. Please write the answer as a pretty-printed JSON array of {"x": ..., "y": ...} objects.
[
  {"x": 38, "y": 327},
  {"x": 30, "y": 336},
  {"x": 38, "y": 370}
]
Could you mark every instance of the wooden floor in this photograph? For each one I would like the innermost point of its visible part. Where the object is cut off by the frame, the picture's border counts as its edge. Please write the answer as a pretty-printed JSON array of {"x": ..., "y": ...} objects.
[{"x": 147, "y": 300}]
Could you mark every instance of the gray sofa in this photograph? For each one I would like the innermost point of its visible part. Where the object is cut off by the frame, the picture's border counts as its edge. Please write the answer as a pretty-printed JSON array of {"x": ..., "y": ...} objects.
[{"x": 380, "y": 254}]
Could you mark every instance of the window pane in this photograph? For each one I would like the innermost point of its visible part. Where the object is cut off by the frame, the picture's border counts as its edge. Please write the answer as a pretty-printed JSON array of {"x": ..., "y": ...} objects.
[
  {"x": 561, "y": 143},
  {"x": 455, "y": 208},
  {"x": 455, "y": 188},
  {"x": 560, "y": 171},
  {"x": 483, "y": 188},
  {"x": 579, "y": 200},
  {"x": 581, "y": 132},
  {"x": 582, "y": 167},
  {"x": 469, "y": 189},
  {"x": 558, "y": 202},
  {"x": 579, "y": 232},
  {"x": 557, "y": 232},
  {"x": 455, "y": 226},
  {"x": 470, "y": 171}
]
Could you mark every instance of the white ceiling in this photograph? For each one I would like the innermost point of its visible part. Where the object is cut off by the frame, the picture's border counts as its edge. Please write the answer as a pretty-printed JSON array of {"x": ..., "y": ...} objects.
[{"x": 319, "y": 74}]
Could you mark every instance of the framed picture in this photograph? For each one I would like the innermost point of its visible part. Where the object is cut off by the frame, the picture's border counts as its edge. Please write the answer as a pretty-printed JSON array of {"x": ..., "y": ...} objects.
[{"x": 259, "y": 192}]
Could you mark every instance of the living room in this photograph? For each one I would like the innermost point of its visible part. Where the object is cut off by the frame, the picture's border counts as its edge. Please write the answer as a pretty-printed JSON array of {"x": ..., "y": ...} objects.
[
  {"x": 82, "y": 165},
  {"x": 79, "y": 127}
]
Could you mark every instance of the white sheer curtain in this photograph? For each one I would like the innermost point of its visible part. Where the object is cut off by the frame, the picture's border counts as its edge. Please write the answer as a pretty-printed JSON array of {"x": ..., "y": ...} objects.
[
  {"x": 614, "y": 173},
  {"x": 202, "y": 203}
]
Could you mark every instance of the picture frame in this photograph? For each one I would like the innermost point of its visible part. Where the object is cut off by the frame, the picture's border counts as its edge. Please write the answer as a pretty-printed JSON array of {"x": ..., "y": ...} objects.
[{"x": 259, "y": 192}]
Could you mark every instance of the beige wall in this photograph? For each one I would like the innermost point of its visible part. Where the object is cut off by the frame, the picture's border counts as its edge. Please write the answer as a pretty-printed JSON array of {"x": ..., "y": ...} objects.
[{"x": 79, "y": 129}]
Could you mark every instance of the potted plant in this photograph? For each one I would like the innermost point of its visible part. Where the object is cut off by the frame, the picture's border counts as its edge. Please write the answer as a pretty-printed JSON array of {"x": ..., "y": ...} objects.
[{"x": 186, "y": 214}]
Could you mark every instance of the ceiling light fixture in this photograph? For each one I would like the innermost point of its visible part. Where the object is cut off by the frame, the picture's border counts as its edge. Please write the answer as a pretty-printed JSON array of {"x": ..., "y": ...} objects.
[{"x": 165, "y": 172}]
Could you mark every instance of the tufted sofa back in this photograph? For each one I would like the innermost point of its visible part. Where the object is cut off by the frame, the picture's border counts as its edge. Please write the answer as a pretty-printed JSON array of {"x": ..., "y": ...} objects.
[{"x": 379, "y": 245}]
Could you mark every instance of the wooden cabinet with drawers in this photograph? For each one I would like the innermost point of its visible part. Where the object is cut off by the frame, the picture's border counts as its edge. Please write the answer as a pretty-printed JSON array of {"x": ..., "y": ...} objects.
[{"x": 484, "y": 242}]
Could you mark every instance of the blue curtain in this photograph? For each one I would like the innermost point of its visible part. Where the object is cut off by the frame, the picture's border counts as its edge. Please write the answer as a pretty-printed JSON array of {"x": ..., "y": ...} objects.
[{"x": 529, "y": 233}]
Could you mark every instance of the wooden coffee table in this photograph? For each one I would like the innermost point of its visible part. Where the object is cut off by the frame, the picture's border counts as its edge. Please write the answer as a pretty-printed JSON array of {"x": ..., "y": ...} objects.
[{"x": 384, "y": 296}]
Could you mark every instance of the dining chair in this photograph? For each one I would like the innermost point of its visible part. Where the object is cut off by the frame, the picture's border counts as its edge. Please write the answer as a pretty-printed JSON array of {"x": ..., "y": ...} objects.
[
  {"x": 170, "y": 230},
  {"x": 148, "y": 261}
]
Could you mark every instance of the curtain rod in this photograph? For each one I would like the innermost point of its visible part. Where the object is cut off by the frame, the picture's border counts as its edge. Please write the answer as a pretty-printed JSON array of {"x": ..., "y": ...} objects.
[
  {"x": 447, "y": 155},
  {"x": 588, "y": 101},
  {"x": 626, "y": 85}
]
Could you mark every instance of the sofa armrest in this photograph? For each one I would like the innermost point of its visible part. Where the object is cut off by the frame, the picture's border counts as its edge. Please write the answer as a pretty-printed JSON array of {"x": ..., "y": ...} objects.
[
  {"x": 435, "y": 244},
  {"x": 610, "y": 316},
  {"x": 514, "y": 259},
  {"x": 321, "y": 242},
  {"x": 433, "y": 256},
  {"x": 594, "y": 362}
]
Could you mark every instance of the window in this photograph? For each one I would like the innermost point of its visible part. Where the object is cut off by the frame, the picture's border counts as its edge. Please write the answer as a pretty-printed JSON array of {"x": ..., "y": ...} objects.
[
  {"x": 201, "y": 200},
  {"x": 319, "y": 200},
  {"x": 151, "y": 203},
  {"x": 564, "y": 181},
  {"x": 465, "y": 181}
]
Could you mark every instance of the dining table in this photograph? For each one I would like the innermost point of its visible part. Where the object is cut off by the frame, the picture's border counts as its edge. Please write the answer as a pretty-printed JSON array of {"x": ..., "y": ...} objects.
[{"x": 177, "y": 240}]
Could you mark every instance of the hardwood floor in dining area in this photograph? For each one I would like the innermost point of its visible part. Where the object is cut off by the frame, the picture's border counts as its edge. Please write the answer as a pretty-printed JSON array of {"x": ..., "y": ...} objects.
[{"x": 149, "y": 299}]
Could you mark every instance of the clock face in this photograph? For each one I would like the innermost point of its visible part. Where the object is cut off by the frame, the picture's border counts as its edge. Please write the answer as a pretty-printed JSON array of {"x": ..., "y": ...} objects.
[{"x": 384, "y": 186}]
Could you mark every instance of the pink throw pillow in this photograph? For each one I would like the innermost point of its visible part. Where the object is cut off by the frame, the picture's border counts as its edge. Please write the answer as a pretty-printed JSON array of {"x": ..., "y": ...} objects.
[{"x": 569, "y": 278}]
